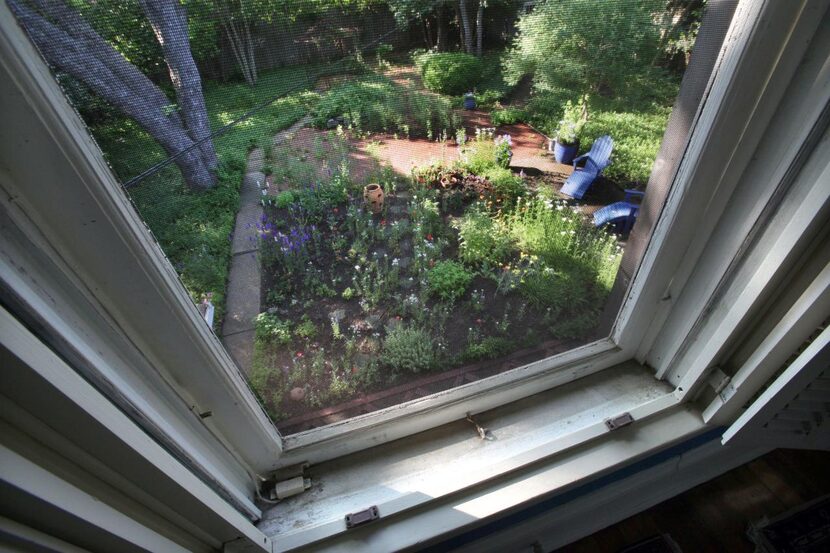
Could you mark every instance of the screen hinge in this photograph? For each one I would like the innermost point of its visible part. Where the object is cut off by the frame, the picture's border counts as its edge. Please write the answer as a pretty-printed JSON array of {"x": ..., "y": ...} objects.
[
  {"x": 286, "y": 482},
  {"x": 721, "y": 383}
]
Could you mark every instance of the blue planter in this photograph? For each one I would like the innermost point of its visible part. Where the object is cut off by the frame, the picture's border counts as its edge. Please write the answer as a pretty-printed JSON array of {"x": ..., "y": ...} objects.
[
  {"x": 469, "y": 101},
  {"x": 564, "y": 154}
]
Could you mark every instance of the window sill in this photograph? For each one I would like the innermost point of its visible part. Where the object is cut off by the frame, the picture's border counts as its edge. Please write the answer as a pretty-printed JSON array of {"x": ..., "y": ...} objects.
[{"x": 541, "y": 445}]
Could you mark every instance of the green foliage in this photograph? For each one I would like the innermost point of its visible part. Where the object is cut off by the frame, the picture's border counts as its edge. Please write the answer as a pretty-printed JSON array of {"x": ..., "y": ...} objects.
[
  {"x": 478, "y": 155},
  {"x": 285, "y": 199},
  {"x": 508, "y": 116},
  {"x": 636, "y": 123},
  {"x": 490, "y": 347},
  {"x": 481, "y": 240},
  {"x": 271, "y": 330},
  {"x": 560, "y": 238},
  {"x": 448, "y": 280},
  {"x": 348, "y": 293},
  {"x": 574, "y": 117},
  {"x": 507, "y": 185},
  {"x": 585, "y": 44},
  {"x": 451, "y": 73},
  {"x": 193, "y": 228},
  {"x": 376, "y": 104},
  {"x": 306, "y": 329},
  {"x": 409, "y": 349}
]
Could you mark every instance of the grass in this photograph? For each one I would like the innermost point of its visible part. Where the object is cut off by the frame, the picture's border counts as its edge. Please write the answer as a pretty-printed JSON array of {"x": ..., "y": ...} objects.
[{"x": 194, "y": 228}]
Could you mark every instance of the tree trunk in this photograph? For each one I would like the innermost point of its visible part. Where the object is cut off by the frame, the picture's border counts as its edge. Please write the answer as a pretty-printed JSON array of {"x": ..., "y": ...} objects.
[
  {"x": 69, "y": 43},
  {"x": 466, "y": 31},
  {"x": 239, "y": 37},
  {"x": 441, "y": 31},
  {"x": 480, "y": 28},
  {"x": 169, "y": 22}
]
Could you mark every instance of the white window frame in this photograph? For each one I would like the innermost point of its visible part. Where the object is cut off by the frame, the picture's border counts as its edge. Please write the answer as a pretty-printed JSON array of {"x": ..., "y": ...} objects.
[{"x": 90, "y": 249}]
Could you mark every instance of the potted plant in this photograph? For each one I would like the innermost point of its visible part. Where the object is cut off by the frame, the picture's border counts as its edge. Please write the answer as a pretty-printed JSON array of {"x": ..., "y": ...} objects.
[
  {"x": 566, "y": 144},
  {"x": 469, "y": 101}
]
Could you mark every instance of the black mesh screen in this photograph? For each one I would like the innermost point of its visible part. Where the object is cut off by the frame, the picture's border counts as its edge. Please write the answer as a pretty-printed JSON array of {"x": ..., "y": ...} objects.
[{"x": 371, "y": 201}]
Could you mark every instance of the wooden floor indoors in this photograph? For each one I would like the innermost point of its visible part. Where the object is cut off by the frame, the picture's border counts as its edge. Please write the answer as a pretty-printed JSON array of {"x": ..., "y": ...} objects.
[{"x": 714, "y": 516}]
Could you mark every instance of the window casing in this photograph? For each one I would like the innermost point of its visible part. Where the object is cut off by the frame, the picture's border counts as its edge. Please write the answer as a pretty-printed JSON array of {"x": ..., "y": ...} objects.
[{"x": 80, "y": 241}]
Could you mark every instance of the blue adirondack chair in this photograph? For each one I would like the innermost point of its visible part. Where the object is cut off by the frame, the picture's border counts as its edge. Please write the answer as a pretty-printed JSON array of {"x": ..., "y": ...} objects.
[
  {"x": 597, "y": 159},
  {"x": 620, "y": 214}
]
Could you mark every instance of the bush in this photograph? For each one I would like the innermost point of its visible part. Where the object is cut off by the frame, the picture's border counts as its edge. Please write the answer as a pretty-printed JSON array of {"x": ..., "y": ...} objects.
[
  {"x": 451, "y": 73},
  {"x": 508, "y": 116},
  {"x": 565, "y": 43},
  {"x": 479, "y": 155},
  {"x": 409, "y": 349},
  {"x": 448, "y": 280},
  {"x": 481, "y": 240},
  {"x": 507, "y": 185},
  {"x": 284, "y": 199}
]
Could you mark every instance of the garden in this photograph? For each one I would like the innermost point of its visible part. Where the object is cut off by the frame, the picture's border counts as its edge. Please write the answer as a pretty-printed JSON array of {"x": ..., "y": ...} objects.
[
  {"x": 411, "y": 234},
  {"x": 459, "y": 263}
]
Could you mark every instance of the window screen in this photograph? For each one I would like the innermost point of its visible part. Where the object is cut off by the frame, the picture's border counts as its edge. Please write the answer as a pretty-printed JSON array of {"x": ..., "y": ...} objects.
[{"x": 373, "y": 201}]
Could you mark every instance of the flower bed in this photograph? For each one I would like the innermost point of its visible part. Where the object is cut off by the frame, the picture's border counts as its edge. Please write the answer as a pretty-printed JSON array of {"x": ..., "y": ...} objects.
[{"x": 458, "y": 267}]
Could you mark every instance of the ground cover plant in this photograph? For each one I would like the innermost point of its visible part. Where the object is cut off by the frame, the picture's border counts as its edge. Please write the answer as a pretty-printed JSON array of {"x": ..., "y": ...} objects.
[
  {"x": 194, "y": 227},
  {"x": 374, "y": 103},
  {"x": 454, "y": 270}
]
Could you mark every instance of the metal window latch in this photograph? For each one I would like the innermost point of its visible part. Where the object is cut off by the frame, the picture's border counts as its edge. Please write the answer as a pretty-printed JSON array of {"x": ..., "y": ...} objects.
[
  {"x": 362, "y": 517},
  {"x": 619, "y": 421},
  {"x": 287, "y": 482}
]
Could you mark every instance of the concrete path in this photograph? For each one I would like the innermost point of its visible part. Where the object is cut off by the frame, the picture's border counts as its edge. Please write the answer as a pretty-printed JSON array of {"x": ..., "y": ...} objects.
[{"x": 242, "y": 298}]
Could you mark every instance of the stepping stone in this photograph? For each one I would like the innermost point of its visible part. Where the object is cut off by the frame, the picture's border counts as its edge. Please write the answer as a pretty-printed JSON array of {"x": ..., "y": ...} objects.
[
  {"x": 337, "y": 315},
  {"x": 373, "y": 320},
  {"x": 245, "y": 233},
  {"x": 241, "y": 349},
  {"x": 297, "y": 394},
  {"x": 256, "y": 160},
  {"x": 252, "y": 184},
  {"x": 243, "y": 294}
]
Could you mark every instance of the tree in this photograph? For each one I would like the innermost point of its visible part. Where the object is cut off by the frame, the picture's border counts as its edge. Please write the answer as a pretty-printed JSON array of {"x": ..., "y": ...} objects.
[
  {"x": 234, "y": 17},
  {"x": 588, "y": 44},
  {"x": 69, "y": 42}
]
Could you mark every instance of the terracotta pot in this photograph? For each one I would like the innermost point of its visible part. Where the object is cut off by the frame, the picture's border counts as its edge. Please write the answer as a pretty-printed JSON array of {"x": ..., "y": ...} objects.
[{"x": 373, "y": 196}]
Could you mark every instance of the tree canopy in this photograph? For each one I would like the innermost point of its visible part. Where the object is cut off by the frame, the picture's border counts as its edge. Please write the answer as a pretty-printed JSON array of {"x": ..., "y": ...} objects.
[{"x": 588, "y": 44}]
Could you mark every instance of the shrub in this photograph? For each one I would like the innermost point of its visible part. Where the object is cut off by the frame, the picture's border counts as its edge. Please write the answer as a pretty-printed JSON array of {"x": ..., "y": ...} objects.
[
  {"x": 270, "y": 329},
  {"x": 306, "y": 329},
  {"x": 478, "y": 155},
  {"x": 564, "y": 43},
  {"x": 481, "y": 240},
  {"x": 409, "y": 349},
  {"x": 508, "y": 116},
  {"x": 284, "y": 199},
  {"x": 451, "y": 73},
  {"x": 448, "y": 280},
  {"x": 376, "y": 104},
  {"x": 507, "y": 186}
]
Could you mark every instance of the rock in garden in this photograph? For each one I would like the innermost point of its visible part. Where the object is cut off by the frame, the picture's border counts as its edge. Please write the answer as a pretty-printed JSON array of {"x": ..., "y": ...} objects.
[
  {"x": 337, "y": 315},
  {"x": 297, "y": 394},
  {"x": 393, "y": 324},
  {"x": 373, "y": 320},
  {"x": 331, "y": 124}
]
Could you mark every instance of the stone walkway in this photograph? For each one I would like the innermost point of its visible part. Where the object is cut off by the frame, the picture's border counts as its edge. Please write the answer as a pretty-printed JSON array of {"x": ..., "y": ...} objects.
[{"x": 242, "y": 298}]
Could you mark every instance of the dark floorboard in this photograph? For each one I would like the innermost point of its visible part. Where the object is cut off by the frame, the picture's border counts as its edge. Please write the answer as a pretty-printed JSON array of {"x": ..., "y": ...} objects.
[{"x": 714, "y": 516}]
